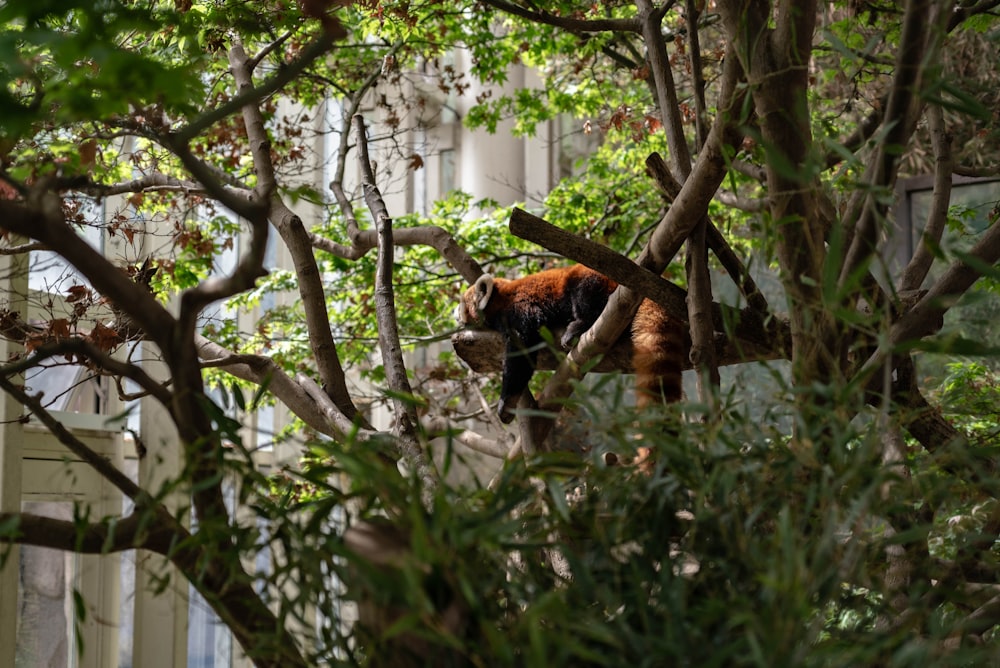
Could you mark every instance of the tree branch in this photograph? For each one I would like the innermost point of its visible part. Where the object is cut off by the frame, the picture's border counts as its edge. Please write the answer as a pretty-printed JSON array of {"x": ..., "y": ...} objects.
[
  {"x": 41, "y": 218},
  {"x": 691, "y": 203},
  {"x": 716, "y": 241},
  {"x": 443, "y": 427},
  {"x": 920, "y": 263},
  {"x": 100, "y": 359},
  {"x": 251, "y": 96},
  {"x": 564, "y": 22},
  {"x": 882, "y": 170},
  {"x": 926, "y": 316},
  {"x": 293, "y": 233},
  {"x": 699, "y": 307},
  {"x": 426, "y": 235},
  {"x": 666, "y": 91},
  {"x": 747, "y": 324},
  {"x": 406, "y": 421},
  {"x": 110, "y": 535},
  {"x": 319, "y": 414}
]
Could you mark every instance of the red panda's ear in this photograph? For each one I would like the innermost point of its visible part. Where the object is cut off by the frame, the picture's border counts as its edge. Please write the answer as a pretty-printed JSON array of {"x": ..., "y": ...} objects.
[{"x": 484, "y": 290}]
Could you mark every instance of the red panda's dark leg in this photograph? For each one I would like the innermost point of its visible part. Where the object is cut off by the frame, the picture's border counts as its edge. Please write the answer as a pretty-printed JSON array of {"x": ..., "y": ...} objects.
[
  {"x": 573, "y": 330},
  {"x": 518, "y": 367},
  {"x": 587, "y": 300}
]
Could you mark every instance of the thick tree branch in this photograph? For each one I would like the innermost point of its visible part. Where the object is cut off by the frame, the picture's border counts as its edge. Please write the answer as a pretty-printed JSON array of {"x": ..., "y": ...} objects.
[
  {"x": 926, "y": 315},
  {"x": 136, "y": 531},
  {"x": 882, "y": 170},
  {"x": 666, "y": 91},
  {"x": 406, "y": 421},
  {"x": 759, "y": 330},
  {"x": 293, "y": 233},
  {"x": 225, "y": 585},
  {"x": 920, "y": 263},
  {"x": 565, "y": 22},
  {"x": 691, "y": 203}
]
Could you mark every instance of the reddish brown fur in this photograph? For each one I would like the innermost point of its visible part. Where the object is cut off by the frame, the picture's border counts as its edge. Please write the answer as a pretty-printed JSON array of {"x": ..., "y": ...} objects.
[
  {"x": 573, "y": 297},
  {"x": 534, "y": 291},
  {"x": 657, "y": 355}
]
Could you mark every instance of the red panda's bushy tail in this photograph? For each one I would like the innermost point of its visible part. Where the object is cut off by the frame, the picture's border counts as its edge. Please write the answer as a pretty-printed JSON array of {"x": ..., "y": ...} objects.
[
  {"x": 658, "y": 345},
  {"x": 658, "y": 355}
]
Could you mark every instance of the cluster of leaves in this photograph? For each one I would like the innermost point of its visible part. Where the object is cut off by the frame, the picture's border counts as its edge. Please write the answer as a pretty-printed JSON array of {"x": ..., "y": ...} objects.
[
  {"x": 566, "y": 561},
  {"x": 77, "y": 57}
]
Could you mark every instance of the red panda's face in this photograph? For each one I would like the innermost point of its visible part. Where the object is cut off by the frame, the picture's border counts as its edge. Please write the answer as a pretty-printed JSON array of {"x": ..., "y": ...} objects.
[{"x": 473, "y": 303}]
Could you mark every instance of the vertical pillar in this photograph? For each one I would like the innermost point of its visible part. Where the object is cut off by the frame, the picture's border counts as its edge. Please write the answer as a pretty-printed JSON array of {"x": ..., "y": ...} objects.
[
  {"x": 13, "y": 284},
  {"x": 539, "y": 176},
  {"x": 491, "y": 165},
  {"x": 160, "y": 631},
  {"x": 99, "y": 579}
]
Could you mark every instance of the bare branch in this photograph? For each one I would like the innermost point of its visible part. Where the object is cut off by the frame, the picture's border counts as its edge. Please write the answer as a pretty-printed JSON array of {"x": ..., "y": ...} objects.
[
  {"x": 106, "y": 363},
  {"x": 315, "y": 409},
  {"x": 567, "y": 23},
  {"x": 666, "y": 91},
  {"x": 155, "y": 180},
  {"x": 268, "y": 49},
  {"x": 23, "y": 248},
  {"x": 406, "y": 420},
  {"x": 348, "y": 113},
  {"x": 251, "y": 96},
  {"x": 903, "y": 98},
  {"x": 920, "y": 263},
  {"x": 427, "y": 235},
  {"x": 293, "y": 233},
  {"x": 443, "y": 427},
  {"x": 926, "y": 315}
]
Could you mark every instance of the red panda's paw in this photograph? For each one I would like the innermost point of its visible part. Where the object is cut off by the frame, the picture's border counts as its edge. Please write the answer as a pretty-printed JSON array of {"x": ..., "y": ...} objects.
[{"x": 504, "y": 410}]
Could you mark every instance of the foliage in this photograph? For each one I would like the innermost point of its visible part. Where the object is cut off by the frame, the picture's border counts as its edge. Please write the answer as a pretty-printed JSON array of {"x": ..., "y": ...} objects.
[
  {"x": 836, "y": 507},
  {"x": 672, "y": 568}
]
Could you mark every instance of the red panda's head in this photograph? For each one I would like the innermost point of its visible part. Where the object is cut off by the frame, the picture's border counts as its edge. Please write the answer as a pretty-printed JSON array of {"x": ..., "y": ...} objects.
[{"x": 472, "y": 307}]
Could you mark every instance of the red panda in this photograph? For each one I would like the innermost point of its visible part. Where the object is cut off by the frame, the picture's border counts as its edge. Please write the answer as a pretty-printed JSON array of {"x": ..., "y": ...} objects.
[{"x": 571, "y": 297}]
